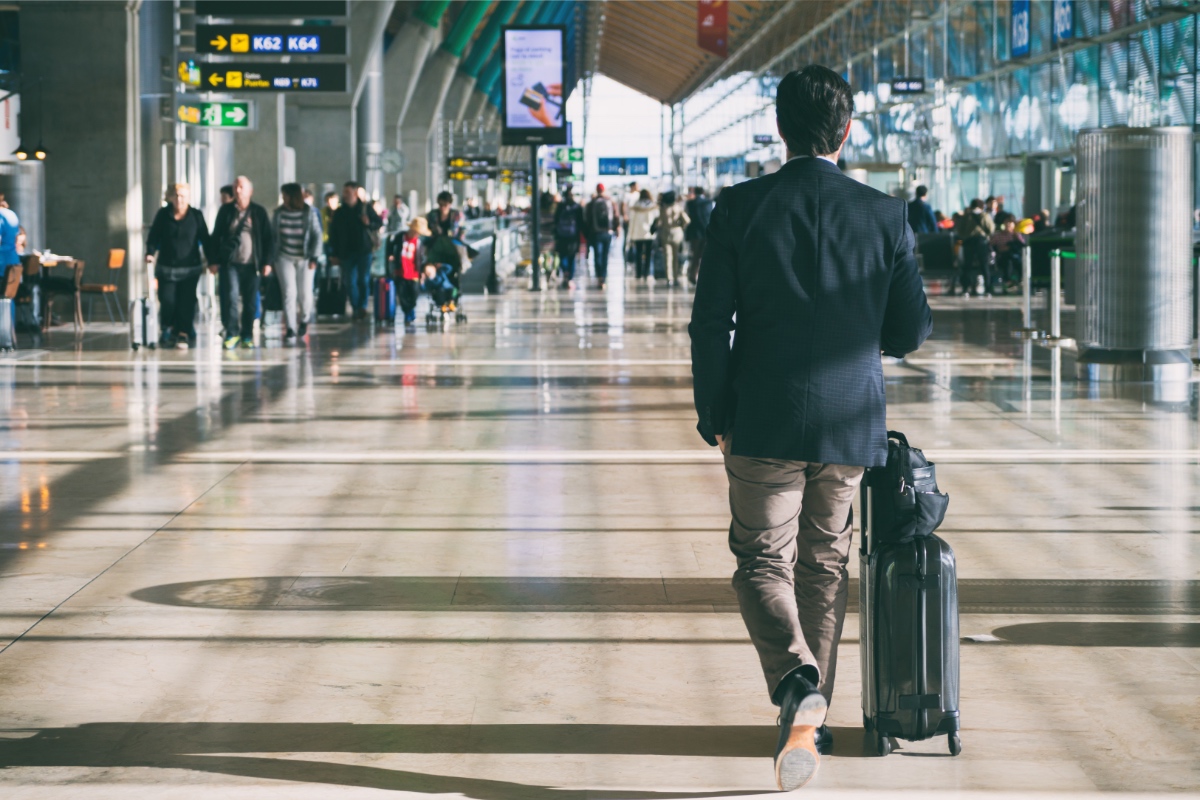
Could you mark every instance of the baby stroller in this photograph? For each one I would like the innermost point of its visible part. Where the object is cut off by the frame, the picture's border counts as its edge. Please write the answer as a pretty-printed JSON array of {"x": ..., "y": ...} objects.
[{"x": 441, "y": 284}]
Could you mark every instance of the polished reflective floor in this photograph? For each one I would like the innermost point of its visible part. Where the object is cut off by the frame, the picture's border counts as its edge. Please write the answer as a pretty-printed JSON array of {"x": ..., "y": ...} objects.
[{"x": 490, "y": 562}]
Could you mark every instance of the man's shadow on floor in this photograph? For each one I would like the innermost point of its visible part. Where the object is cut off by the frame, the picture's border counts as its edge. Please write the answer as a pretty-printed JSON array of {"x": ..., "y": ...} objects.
[{"x": 207, "y": 747}]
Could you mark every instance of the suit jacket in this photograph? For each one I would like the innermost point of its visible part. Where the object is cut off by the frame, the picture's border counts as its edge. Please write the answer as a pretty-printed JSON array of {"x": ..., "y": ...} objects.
[{"x": 820, "y": 273}]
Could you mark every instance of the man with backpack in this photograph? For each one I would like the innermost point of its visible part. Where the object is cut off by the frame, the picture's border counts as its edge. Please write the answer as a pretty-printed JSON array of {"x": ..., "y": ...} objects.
[
  {"x": 568, "y": 225},
  {"x": 602, "y": 219},
  {"x": 699, "y": 210}
]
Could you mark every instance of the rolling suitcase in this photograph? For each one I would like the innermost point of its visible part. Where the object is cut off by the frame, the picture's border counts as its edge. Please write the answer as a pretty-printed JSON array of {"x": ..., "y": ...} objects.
[
  {"x": 8, "y": 325},
  {"x": 143, "y": 317},
  {"x": 385, "y": 300},
  {"x": 331, "y": 293},
  {"x": 908, "y": 618},
  {"x": 143, "y": 324}
]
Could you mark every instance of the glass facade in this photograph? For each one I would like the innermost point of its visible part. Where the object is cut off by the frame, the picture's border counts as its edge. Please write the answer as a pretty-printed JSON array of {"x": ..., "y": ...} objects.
[{"x": 984, "y": 111}]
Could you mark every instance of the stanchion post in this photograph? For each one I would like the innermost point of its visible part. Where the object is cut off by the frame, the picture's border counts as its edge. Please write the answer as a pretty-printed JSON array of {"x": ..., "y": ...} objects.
[
  {"x": 1055, "y": 295},
  {"x": 535, "y": 233},
  {"x": 1026, "y": 289}
]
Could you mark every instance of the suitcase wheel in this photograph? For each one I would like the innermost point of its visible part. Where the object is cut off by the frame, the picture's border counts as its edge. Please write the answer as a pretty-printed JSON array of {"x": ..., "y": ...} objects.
[
  {"x": 955, "y": 744},
  {"x": 460, "y": 317},
  {"x": 883, "y": 744},
  {"x": 135, "y": 346}
]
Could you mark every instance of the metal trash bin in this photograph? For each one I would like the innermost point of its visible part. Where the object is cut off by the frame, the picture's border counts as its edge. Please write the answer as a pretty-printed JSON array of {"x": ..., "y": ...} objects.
[{"x": 1134, "y": 242}]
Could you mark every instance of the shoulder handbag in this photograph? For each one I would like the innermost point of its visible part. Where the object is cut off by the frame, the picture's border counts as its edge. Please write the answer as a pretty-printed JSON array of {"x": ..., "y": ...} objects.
[{"x": 906, "y": 500}]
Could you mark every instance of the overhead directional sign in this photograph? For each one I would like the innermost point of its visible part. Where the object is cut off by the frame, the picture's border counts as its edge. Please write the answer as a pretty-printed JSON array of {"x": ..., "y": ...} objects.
[
  {"x": 323, "y": 40},
  {"x": 473, "y": 175},
  {"x": 225, "y": 114},
  {"x": 296, "y": 9},
  {"x": 247, "y": 77},
  {"x": 568, "y": 155},
  {"x": 624, "y": 166},
  {"x": 471, "y": 162}
]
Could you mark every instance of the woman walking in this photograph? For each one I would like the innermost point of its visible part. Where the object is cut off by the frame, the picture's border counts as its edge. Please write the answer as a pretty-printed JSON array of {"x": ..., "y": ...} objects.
[
  {"x": 297, "y": 248},
  {"x": 173, "y": 246},
  {"x": 642, "y": 216},
  {"x": 672, "y": 223}
]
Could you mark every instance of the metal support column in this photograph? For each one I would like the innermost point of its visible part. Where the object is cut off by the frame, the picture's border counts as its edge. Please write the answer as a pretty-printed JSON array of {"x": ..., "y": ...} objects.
[{"x": 535, "y": 236}]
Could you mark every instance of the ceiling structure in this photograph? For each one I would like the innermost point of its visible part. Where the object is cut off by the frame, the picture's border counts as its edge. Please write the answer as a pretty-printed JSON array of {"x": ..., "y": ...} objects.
[{"x": 652, "y": 46}]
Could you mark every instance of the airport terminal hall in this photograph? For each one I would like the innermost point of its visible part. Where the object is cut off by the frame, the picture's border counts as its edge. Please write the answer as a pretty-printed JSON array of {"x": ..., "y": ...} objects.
[{"x": 599, "y": 399}]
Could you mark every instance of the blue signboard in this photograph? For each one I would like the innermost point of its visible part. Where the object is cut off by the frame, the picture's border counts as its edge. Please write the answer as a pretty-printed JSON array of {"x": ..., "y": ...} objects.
[
  {"x": 1020, "y": 28},
  {"x": 1064, "y": 20},
  {"x": 624, "y": 166}
]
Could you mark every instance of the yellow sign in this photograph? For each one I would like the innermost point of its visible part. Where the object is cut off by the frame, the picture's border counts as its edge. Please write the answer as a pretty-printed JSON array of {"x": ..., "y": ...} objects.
[
  {"x": 219, "y": 42},
  {"x": 189, "y": 114},
  {"x": 239, "y": 42},
  {"x": 189, "y": 73},
  {"x": 215, "y": 79},
  {"x": 233, "y": 80}
]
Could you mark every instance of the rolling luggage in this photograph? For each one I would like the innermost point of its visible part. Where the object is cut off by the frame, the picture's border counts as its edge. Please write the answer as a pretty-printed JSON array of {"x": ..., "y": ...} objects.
[
  {"x": 143, "y": 323},
  {"x": 331, "y": 293},
  {"x": 385, "y": 300},
  {"x": 908, "y": 606},
  {"x": 143, "y": 316},
  {"x": 8, "y": 325}
]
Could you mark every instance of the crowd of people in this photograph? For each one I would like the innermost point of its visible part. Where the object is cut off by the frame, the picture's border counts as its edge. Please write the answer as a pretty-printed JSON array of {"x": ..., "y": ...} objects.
[
  {"x": 987, "y": 240},
  {"x": 264, "y": 259},
  {"x": 662, "y": 238}
]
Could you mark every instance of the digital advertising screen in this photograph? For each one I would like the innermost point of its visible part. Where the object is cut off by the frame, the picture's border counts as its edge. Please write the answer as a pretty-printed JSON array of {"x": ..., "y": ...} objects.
[{"x": 534, "y": 107}]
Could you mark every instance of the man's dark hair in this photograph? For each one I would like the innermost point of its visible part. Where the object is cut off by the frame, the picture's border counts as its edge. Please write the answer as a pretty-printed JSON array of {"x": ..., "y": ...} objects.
[
  {"x": 699, "y": 190},
  {"x": 351, "y": 184},
  {"x": 445, "y": 197},
  {"x": 976, "y": 203},
  {"x": 228, "y": 189},
  {"x": 922, "y": 191},
  {"x": 813, "y": 107}
]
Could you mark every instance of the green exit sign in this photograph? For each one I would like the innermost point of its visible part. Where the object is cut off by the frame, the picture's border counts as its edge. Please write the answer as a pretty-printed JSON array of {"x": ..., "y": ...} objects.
[
  {"x": 225, "y": 114},
  {"x": 568, "y": 155}
]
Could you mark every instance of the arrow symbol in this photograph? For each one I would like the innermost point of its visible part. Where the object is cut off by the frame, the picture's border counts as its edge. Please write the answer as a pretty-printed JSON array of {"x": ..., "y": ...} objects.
[
  {"x": 215, "y": 79},
  {"x": 219, "y": 42},
  {"x": 236, "y": 114}
]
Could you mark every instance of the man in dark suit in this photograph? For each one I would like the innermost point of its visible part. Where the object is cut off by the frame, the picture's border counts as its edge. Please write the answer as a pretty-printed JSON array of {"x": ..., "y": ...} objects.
[{"x": 820, "y": 273}]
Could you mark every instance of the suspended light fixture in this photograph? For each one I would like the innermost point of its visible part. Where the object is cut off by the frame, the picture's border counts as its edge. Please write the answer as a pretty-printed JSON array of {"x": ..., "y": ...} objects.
[
  {"x": 39, "y": 153},
  {"x": 21, "y": 153}
]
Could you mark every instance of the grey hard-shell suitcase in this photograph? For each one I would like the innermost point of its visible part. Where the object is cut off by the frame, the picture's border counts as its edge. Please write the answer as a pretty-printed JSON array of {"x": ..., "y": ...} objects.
[
  {"x": 908, "y": 617},
  {"x": 8, "y": 325},
  {"x": 143, "y": 316}
]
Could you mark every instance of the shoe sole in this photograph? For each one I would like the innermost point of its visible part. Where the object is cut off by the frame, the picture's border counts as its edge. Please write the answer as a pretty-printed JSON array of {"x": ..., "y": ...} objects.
[{"x": 798, "y": 762}]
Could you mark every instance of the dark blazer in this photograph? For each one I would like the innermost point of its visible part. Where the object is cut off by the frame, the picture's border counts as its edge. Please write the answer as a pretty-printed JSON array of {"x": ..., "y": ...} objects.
[
  {"x": 348, "y": 236},
  {"x": 261, "y": 233},
  {"x": 820, "y": 272}
]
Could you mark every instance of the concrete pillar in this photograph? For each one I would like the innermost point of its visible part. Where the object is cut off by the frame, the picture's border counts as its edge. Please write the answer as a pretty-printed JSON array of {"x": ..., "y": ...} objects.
[
  {"x": 421, "y": 118},
  {"x": 93, "y": 172},
  {"x": 369, "y": 126},
  {"x": 475, "y": 105},
  {"x": 258, "y": 154},
  {"x": 416, "y": 132},
  {"x": 402, "y": 70}
]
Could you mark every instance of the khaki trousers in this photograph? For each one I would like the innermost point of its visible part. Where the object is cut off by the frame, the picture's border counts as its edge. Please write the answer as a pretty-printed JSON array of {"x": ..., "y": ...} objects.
[{"x": 791, "y": 533}]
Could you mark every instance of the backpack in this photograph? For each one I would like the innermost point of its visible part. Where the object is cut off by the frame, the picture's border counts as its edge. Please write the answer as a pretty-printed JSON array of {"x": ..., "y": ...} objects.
[
  {"x": 906, "y": 503},
  {"x": 600, "y": 214},
  {"x": 565, "y": 226}
]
